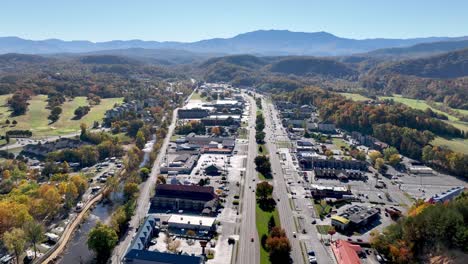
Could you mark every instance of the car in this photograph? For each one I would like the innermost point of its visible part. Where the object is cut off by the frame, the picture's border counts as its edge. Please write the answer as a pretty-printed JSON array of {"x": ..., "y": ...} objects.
[
  {"x": 252, "y": 239},
  {"x": 359, "y": 240},
  {"x": 294, "y": 234},
  {"x": 314, "y": 222}
]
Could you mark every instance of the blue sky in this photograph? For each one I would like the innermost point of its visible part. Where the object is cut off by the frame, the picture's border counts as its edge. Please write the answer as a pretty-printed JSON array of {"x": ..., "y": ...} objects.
[{"x": 191, "y": 20}]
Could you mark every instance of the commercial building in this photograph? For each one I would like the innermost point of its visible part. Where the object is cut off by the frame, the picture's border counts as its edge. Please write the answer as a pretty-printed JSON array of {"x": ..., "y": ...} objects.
[
  {"x": 189, "y": 222},
  {"x": 417, "y": 169},
  {"x": 447, "y": 196},
  {"x": 354, "y": 217},
  {"x": 138, "y": 252},
  {"x": 345, "y": 252},
  {"x": 194, "y": 198},
  {"x": 320, "y": 191},
  {"x": 182, "y": 164},
  {"x": 194, "y": 113}
]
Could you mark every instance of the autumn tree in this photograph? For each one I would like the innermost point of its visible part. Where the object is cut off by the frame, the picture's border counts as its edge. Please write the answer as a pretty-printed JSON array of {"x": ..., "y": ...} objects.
[
  {"x": 15, "y": 242},
  {"x": 34, "y": 232},
  {"x": 278, "y": 246},
  {"x": 140, "y": 139}
]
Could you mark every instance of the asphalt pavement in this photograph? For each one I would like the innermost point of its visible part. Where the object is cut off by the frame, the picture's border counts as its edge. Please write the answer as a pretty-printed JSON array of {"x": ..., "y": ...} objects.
[{"x": 249, "y": 251}]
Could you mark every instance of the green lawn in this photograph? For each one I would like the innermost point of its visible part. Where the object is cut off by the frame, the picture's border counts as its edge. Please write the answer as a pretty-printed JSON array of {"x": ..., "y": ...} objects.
[
  {"x": 417, "y": 104},
  {"x": 175, "y": 137},
  {"x": 458, "y": 144},
  {"x": 338, "y": 142},
  {"x": 261, "y": 219},
  {"x": 318, "y": 209},
  {"x": 323, "y": 229},
  {"x": 197, "y": 96},
  {"x": 355, "y": 97},
  {"x": 36, "y": 120}
]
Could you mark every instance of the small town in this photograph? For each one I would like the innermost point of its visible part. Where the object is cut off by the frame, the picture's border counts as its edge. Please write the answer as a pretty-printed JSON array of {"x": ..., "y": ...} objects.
[{"x": 233, "y": 132}]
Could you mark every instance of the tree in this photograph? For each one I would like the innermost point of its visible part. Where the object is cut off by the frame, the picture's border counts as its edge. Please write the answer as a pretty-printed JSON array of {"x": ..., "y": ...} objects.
[
  {"x": 394, "y": 159},
  {"x": 264, "y": 190},
  {"x": 15, "y": 242},
  {"x": 379, "y": 164},
  {"x": 216, "y": 130},
  {"x": 374, "y": 155},
  {"x": 34, "y": 232},
  {"x": 102, "y": 239},
  {"x": 388, "y": 152},
  {"x": 144, "y": 173},
  {"x": 130, "y": 190},
  {"x": 55, "y": 114},
  {"x": 161, "y": 179},
  {"x": 83, "y": 128},
  {"x": 260, "y": 137},
  {"x": 278, "y": 246},
  {"x": 263, "y": 165},
  {"x": 140, "y": 139}
]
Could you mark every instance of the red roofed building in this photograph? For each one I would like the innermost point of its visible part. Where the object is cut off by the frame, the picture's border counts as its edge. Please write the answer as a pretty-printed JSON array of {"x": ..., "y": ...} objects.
[{"x": 345, "y": 252}]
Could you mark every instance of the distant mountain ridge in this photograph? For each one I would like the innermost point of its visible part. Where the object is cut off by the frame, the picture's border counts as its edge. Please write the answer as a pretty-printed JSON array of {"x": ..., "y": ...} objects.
[
  {"x": 419, "y": 50},
  {"x": 261, "y": 42}
]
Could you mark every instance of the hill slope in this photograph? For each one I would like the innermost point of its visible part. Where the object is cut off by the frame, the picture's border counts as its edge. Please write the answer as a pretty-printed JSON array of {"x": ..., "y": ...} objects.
[
  {"x": 419, "y": 50},
  {"x": 448, "y": 65}
]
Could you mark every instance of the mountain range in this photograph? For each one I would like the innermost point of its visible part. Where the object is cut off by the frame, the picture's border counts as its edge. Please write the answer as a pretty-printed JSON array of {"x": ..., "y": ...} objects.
[{"x": 261, "y": 42}]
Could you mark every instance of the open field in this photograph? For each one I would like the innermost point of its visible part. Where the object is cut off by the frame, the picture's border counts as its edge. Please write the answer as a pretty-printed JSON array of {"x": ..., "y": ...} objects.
[
  {"x": 458, "y": 145},
  {"x": 36, "y": 120},
  {"x": 261, "y": 219},
  {"x": 355, "y": 97},
  {"x": 418, "y": 104},
  {"x": 340, "y": 143},
  {"x": 197, "y": 96}
]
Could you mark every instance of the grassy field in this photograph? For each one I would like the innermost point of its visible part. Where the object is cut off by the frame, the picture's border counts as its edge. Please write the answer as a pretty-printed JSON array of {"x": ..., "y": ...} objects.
[
  {"x": 458, "y": 145},
  {"x": 197, "y": 96},
  {"x": 417, "y": 104},
  {"x": 36, "y": 120},
  {"x": 338, "y": 142},
  {"x": 261, "y": 219},
  {"x": 355, "y": 97}
]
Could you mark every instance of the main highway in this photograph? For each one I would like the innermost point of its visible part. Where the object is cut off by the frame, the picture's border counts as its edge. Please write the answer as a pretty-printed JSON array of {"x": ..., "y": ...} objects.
[
  {"x": 249, "y": 251},
  {"x": 291, "y": 209}
]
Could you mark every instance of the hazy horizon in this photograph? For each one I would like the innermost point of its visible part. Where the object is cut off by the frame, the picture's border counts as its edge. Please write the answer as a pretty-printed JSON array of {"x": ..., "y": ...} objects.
[{"x": 188, "y": 21}]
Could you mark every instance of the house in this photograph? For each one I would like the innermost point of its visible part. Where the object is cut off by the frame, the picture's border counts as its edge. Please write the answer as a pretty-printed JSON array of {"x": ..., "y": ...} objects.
[{"x": 185, "y": 197}]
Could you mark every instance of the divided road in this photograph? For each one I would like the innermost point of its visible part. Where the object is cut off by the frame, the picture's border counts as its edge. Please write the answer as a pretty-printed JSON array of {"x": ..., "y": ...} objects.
[{"x": 249, "y": 252}]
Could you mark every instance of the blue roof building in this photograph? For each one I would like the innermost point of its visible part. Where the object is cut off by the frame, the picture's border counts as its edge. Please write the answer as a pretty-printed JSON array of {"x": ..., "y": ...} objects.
[{"x": 138, "y": 252}]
